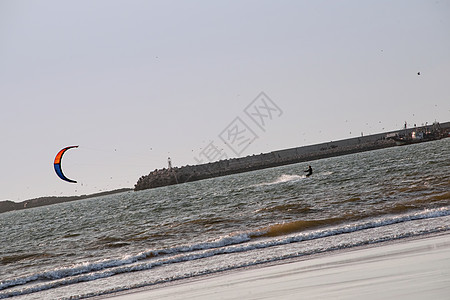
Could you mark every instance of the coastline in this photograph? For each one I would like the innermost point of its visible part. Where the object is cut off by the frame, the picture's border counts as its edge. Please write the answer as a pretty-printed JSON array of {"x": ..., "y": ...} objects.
[
  {"x": 8, "y": 205},
  {"x": 410, "y": 268},
  {"x": 178, "y": 175},
  {"x": 144, "y": 239}
]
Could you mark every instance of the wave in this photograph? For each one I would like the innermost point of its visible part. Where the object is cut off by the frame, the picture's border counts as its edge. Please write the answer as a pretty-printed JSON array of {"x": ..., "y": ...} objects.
[
  {"x": 235, "y": 243},
  {"x": 291, "y": 178},
  {"x": 9, "y": 259},
  {"x": 297, "y": 226},
  {"x": 281, "y": 179}
]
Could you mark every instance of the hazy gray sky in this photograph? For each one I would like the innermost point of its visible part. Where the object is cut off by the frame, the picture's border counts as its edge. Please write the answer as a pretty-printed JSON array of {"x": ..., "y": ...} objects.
[{"x": 134, "y": 82}]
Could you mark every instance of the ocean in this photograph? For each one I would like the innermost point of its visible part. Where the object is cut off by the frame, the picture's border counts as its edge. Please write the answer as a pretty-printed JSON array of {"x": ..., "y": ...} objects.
[{"x": 119, "y": 242}]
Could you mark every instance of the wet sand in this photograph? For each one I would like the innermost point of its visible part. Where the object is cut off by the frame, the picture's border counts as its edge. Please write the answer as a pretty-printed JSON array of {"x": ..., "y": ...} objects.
[{"x": 405, "y": 269}]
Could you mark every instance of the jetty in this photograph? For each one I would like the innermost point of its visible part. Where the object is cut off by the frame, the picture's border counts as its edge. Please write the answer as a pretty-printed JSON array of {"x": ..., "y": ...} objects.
[{"x": 177, "y": 175}]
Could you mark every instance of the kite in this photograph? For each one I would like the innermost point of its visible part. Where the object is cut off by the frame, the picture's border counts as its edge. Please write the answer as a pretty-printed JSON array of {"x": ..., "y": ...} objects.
[{"x": 57, "y": 164}]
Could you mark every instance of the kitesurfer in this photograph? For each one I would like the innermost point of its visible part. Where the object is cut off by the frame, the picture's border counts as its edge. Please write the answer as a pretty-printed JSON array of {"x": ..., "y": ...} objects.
[{"x": 308, "y": 171}]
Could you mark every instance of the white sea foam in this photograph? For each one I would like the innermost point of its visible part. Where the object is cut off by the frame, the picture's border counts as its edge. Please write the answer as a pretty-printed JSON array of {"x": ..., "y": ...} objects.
[
  {"x": 281, "y": 179},
  {"x": 224, "y": 245}
]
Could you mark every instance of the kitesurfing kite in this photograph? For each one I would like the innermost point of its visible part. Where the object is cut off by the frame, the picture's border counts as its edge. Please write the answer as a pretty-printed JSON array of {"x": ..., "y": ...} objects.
[{"x": 57, "y": 164}]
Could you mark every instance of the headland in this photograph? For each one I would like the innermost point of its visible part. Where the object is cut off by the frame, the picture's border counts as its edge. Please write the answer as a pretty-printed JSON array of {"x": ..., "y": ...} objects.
[{"x": 7, "y": 205}]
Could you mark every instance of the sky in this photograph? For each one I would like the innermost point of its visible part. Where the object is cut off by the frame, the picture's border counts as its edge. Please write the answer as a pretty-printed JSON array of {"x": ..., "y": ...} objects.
[{"x": 135, "y": 82}]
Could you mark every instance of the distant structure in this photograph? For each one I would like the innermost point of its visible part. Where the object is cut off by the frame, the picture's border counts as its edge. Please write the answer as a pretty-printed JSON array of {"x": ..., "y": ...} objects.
[
  {"x": 169, "y": 162},
  {"x": 404, "y": 136}
]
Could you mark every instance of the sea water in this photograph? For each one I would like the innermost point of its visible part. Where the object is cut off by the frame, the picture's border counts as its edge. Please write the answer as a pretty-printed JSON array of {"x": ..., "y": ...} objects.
[{"x": 119, "y": 242}]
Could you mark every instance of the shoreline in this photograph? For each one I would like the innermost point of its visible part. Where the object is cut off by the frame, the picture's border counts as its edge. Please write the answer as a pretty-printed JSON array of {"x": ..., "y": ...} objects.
[
  {"x": 7, "y": 205},
  {"x": 310, "y": 275}
]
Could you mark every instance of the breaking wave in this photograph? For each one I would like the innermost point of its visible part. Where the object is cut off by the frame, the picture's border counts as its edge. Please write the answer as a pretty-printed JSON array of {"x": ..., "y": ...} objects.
[{"x": 274, "y": 235}]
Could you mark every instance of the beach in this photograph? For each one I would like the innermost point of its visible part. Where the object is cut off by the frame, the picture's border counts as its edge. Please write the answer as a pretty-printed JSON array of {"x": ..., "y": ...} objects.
[
  {"x": 372, "y": 224},
  {"x": 407, "y": 269}
]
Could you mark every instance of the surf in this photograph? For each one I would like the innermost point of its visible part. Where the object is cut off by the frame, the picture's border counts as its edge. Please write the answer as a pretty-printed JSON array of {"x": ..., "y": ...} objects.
[
  {"x": 266, "y": 237},
  {"x": 284, "y": 178}
]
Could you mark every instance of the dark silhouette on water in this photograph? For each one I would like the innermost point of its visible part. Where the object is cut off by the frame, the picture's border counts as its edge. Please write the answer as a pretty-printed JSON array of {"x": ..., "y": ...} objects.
[{"x": 309, "y": 171}]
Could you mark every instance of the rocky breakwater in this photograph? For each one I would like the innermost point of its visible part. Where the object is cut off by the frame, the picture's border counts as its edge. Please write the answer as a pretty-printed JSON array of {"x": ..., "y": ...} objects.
[{"x": 170, "y": 176}]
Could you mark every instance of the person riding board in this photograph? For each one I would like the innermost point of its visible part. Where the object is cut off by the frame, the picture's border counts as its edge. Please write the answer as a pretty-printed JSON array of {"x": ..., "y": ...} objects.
[{"x": 309, "y": 171}]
